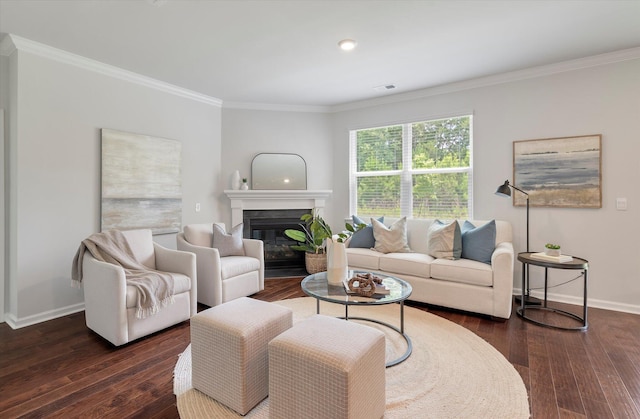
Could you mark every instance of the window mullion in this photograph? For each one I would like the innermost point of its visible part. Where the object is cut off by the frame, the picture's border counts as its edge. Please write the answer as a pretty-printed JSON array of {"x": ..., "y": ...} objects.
[
  {"x": 353, "y": 170},
  {"x": 406, "y": 194}
]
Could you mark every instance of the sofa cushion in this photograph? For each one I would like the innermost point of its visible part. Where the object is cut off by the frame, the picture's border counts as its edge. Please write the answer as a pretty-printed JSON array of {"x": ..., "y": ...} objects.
[
  {"x": 391, "y": 239},
  {"x": 228, "y": 244},
  {"x": 462, "y": 270},
  {"x": 363, "y": 238},
  {"x": 363, "y": 258},
  {"x": 478, "y": 243},
  {"x": 445, "y": 240},
  {"x": 414, "y": 264}
]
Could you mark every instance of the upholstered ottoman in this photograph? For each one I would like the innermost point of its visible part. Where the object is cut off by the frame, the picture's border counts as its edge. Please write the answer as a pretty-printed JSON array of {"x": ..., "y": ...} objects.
[
  {"x": 229, "y": 350},
  {"x": 325, "y": 367}
]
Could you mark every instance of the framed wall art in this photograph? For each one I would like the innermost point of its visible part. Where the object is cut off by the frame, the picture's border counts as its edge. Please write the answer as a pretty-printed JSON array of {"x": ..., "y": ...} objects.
[
  {"x": 141, "y": 182},
  {"x": 559, "y": 172}
]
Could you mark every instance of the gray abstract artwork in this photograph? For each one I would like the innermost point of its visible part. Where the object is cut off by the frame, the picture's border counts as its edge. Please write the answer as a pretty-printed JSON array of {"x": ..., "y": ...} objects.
[{"x": 141, "y": 182}]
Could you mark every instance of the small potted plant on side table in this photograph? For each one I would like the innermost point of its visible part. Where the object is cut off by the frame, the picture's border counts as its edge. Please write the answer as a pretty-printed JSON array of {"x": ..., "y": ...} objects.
[{"x": 551, "y": 249}]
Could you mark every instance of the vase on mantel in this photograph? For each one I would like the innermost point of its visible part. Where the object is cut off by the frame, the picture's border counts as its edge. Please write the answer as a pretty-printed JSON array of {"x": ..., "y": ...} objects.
[
  {"x": 245, "y": 185},
  {"x": 235, "y": 180},
  {"x": 337, "y": 267}
]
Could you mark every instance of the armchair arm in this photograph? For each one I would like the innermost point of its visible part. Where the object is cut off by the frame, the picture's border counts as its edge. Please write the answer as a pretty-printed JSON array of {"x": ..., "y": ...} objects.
[
  {"x": 105, "y": 299},
  {"x": 502, "y": 265},
  {"x": 255, "y": 249},
  {"x": 169, "y": 260},
  {"x": 208, "y": 271}
]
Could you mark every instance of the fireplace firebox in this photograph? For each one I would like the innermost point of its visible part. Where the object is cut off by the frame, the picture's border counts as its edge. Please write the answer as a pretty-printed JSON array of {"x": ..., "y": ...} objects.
[{"x": 269, "y": 226}]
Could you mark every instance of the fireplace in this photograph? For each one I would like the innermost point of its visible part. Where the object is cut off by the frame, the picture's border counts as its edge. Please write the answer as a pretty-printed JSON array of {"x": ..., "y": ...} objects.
[
  {"x": 269, "y": 226},
  {"x": 268, "y": 213}
]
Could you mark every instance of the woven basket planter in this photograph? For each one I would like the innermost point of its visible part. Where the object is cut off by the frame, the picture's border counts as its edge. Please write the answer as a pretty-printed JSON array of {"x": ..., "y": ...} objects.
[{"x": 315, "y": 262}]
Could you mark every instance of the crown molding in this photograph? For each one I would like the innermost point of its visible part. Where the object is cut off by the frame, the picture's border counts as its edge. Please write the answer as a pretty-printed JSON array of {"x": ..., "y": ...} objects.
[
  {"x": 10, "y": 43},
  {"x": 75, "y": 60},
  {"x": 276, "y": 108},
  {"x": 7, "y": 47},
  {"x": 529, "y": 73}
]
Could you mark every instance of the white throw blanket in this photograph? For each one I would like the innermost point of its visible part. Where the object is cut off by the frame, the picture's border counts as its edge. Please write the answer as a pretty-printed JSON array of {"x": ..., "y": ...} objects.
[{"x": 154, "y": 288}]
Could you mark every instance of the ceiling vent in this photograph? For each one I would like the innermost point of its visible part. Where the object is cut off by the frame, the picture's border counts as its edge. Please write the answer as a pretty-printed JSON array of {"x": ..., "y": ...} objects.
[{"x": 384, "y": 88}]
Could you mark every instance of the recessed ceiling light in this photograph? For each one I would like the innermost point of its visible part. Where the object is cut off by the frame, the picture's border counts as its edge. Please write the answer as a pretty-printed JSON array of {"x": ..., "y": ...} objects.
[{"x": 347, "y": 44}]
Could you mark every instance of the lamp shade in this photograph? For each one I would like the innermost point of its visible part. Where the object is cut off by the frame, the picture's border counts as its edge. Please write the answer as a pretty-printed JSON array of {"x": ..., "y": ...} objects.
[{"x": 504, "y": 190}]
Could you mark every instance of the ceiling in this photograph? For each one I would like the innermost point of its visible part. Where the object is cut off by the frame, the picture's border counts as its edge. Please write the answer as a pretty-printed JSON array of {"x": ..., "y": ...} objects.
[{"x": 286, "y": 52}]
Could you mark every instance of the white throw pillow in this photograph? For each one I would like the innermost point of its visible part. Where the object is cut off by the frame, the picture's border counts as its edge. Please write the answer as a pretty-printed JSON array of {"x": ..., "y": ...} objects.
[
  {"x": 392, "y": 239},
  {"x": 444, "y": 241},
  {"x": 228, "y": 244}
]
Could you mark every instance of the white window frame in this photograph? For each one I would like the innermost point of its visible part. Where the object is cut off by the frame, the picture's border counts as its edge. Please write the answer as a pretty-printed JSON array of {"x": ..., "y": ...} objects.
[{"x": 407, "y": 172}]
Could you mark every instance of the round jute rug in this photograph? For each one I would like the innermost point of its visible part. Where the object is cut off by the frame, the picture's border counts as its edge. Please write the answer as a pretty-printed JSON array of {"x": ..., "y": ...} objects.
[{"x": 452, "y": 373}]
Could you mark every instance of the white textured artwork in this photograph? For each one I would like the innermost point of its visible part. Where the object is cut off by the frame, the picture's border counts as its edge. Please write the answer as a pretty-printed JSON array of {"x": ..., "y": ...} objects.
[{"x": 141, "y": 182}]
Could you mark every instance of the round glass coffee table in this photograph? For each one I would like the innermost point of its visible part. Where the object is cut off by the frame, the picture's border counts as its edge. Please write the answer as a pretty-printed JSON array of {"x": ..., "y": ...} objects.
[{"x": 316, "y": 286}]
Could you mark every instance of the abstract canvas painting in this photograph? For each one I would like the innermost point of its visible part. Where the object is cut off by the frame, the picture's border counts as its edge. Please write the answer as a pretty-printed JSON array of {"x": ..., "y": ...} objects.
[
  {"x": 559, "y": 172},
  {"x": 141, "y": 182}
]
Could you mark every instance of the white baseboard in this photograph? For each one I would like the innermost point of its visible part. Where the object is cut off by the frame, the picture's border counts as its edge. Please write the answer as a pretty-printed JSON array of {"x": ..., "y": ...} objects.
[
  {"x": 16, "y": 323},
  {"x": 591, "y": 303}
]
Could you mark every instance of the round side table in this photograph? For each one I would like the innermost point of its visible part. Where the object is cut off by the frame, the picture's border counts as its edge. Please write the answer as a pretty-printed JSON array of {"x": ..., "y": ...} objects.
[{"x": 576, "y": 264}]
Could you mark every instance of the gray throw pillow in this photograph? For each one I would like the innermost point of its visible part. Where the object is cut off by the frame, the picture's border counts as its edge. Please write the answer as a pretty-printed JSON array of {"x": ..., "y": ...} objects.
[
  {"x": 478, "y": 243},
  {"x": 392, "y": 239},
  {"x": 228, "y": 244},
  {"x": 363, "y": 238},
  {"x": 444, "y": 241}
]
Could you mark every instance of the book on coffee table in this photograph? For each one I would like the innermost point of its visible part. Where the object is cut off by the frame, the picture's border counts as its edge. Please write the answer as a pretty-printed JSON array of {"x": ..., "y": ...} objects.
[{"x": 547, "y": 258}]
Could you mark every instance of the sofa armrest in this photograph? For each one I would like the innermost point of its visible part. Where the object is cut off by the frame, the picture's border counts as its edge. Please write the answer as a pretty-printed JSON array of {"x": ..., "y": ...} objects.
[
  {"x": 502, "y": 261},
  {"x": 208, "y": 271},
  {"x": 181, "y": 262},
  {"x": 255, "y": 249},
  {"x": 105, "y": 299}
]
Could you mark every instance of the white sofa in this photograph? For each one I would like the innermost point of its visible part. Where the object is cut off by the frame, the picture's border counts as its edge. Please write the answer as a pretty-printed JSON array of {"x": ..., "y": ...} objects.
[{"x": 461, "y": 284}]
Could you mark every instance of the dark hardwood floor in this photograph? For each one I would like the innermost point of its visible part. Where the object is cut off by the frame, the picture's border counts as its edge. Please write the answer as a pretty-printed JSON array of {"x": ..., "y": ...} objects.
[{"x": 61, "y": 369}]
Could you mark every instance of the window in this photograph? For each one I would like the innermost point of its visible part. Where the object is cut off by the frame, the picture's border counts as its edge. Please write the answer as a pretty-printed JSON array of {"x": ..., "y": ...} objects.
[{"x": 419, "y": 169}]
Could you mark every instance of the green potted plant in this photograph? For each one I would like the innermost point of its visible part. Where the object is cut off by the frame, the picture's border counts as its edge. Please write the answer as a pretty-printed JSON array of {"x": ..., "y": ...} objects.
[
  {"x": 311, "y": 240},
  {"x": 551, "y": 249},
  {"x": 313, "y": 237}
]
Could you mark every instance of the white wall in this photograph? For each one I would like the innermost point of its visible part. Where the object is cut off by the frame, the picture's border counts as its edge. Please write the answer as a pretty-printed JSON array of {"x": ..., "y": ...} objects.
[
  {"x": 56, "y": 110},
  {"x": 600, "y": 100},
  {"x": 55, "y": 170},
  {"x": 246, "y": 133},
  {"x": 596, "y": 100},
  {"x": 4, "y": 106}
]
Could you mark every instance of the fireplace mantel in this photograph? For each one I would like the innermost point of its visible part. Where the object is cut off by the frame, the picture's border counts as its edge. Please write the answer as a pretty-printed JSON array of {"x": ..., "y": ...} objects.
[{"x": 274, "y": 199}]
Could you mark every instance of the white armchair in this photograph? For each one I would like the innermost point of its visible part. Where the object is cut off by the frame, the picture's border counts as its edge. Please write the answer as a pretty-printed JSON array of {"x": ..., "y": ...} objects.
[
  {"x": 110, "y": 305},
  {"x": 222, "y": 279}
]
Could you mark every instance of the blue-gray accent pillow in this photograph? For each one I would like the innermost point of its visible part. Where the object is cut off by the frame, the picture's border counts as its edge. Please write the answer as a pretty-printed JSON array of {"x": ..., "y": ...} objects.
[
  {"x": 363, "y": 238},
  {"x": 478, "y": 243}
]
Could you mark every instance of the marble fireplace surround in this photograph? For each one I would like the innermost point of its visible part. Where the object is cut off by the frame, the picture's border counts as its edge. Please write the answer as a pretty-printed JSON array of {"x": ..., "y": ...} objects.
[{"x": 274, "y": 200}]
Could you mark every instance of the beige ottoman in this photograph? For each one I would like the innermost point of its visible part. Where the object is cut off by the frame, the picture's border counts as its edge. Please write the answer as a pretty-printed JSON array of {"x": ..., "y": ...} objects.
[
  {"x": 229, "y": 350},
  {"x": 325, "y": 367}
]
